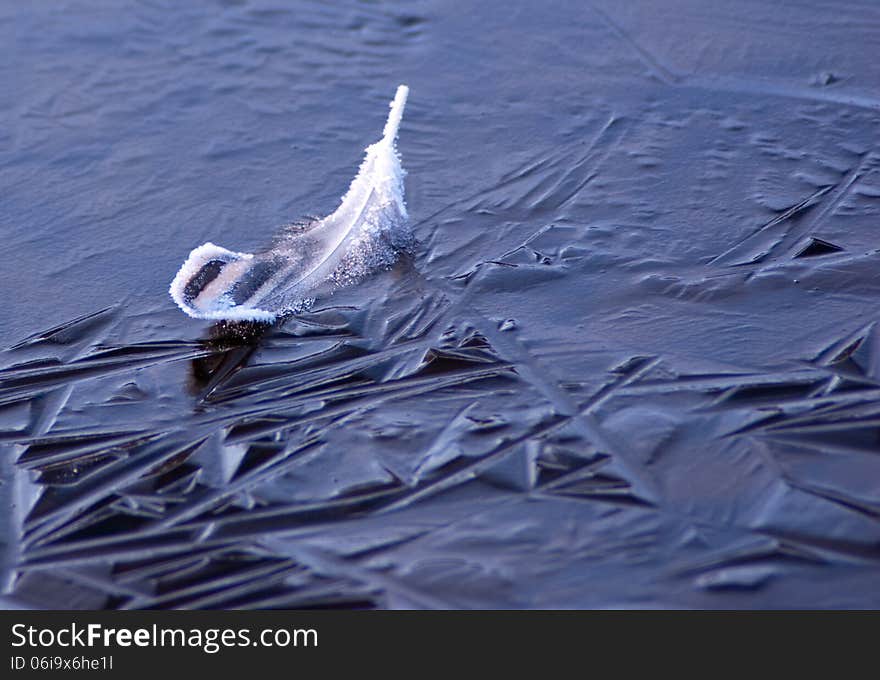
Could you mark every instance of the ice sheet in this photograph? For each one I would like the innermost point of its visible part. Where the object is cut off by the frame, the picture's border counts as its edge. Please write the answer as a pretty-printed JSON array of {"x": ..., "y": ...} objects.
[
  {"x": 366, "y": 232},
  {"x": 622, "y": 371}
]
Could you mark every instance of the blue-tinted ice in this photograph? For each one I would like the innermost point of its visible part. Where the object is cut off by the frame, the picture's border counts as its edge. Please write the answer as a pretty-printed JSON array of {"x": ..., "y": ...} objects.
[{"x": 366, "y": 232}]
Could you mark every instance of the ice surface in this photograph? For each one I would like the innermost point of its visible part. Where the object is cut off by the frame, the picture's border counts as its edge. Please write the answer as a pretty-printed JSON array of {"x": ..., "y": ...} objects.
[
  {"x": 670, "y": 418},
  {"x": 366, "y": 232}
]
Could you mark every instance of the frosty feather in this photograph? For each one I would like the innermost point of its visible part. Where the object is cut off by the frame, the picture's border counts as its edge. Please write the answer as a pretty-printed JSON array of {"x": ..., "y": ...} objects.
[{"x": 365, "y": 232}]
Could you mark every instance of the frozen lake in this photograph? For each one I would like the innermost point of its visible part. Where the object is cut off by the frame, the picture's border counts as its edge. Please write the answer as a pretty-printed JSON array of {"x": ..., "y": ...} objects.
[{"x": 634, "y": 360}]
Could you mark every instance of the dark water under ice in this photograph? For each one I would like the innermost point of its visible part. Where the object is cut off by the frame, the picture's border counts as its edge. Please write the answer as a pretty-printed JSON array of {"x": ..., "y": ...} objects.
[{"x": 634, "y": 362}]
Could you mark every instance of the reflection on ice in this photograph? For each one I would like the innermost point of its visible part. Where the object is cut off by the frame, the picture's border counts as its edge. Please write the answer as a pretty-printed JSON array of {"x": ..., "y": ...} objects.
[
  {"x": 366, "y": 232},
  {"x": 230, "y": 345}
]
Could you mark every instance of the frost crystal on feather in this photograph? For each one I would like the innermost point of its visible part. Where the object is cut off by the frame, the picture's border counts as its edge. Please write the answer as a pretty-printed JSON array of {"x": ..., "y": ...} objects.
[{"x": 366, "y": 232}]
